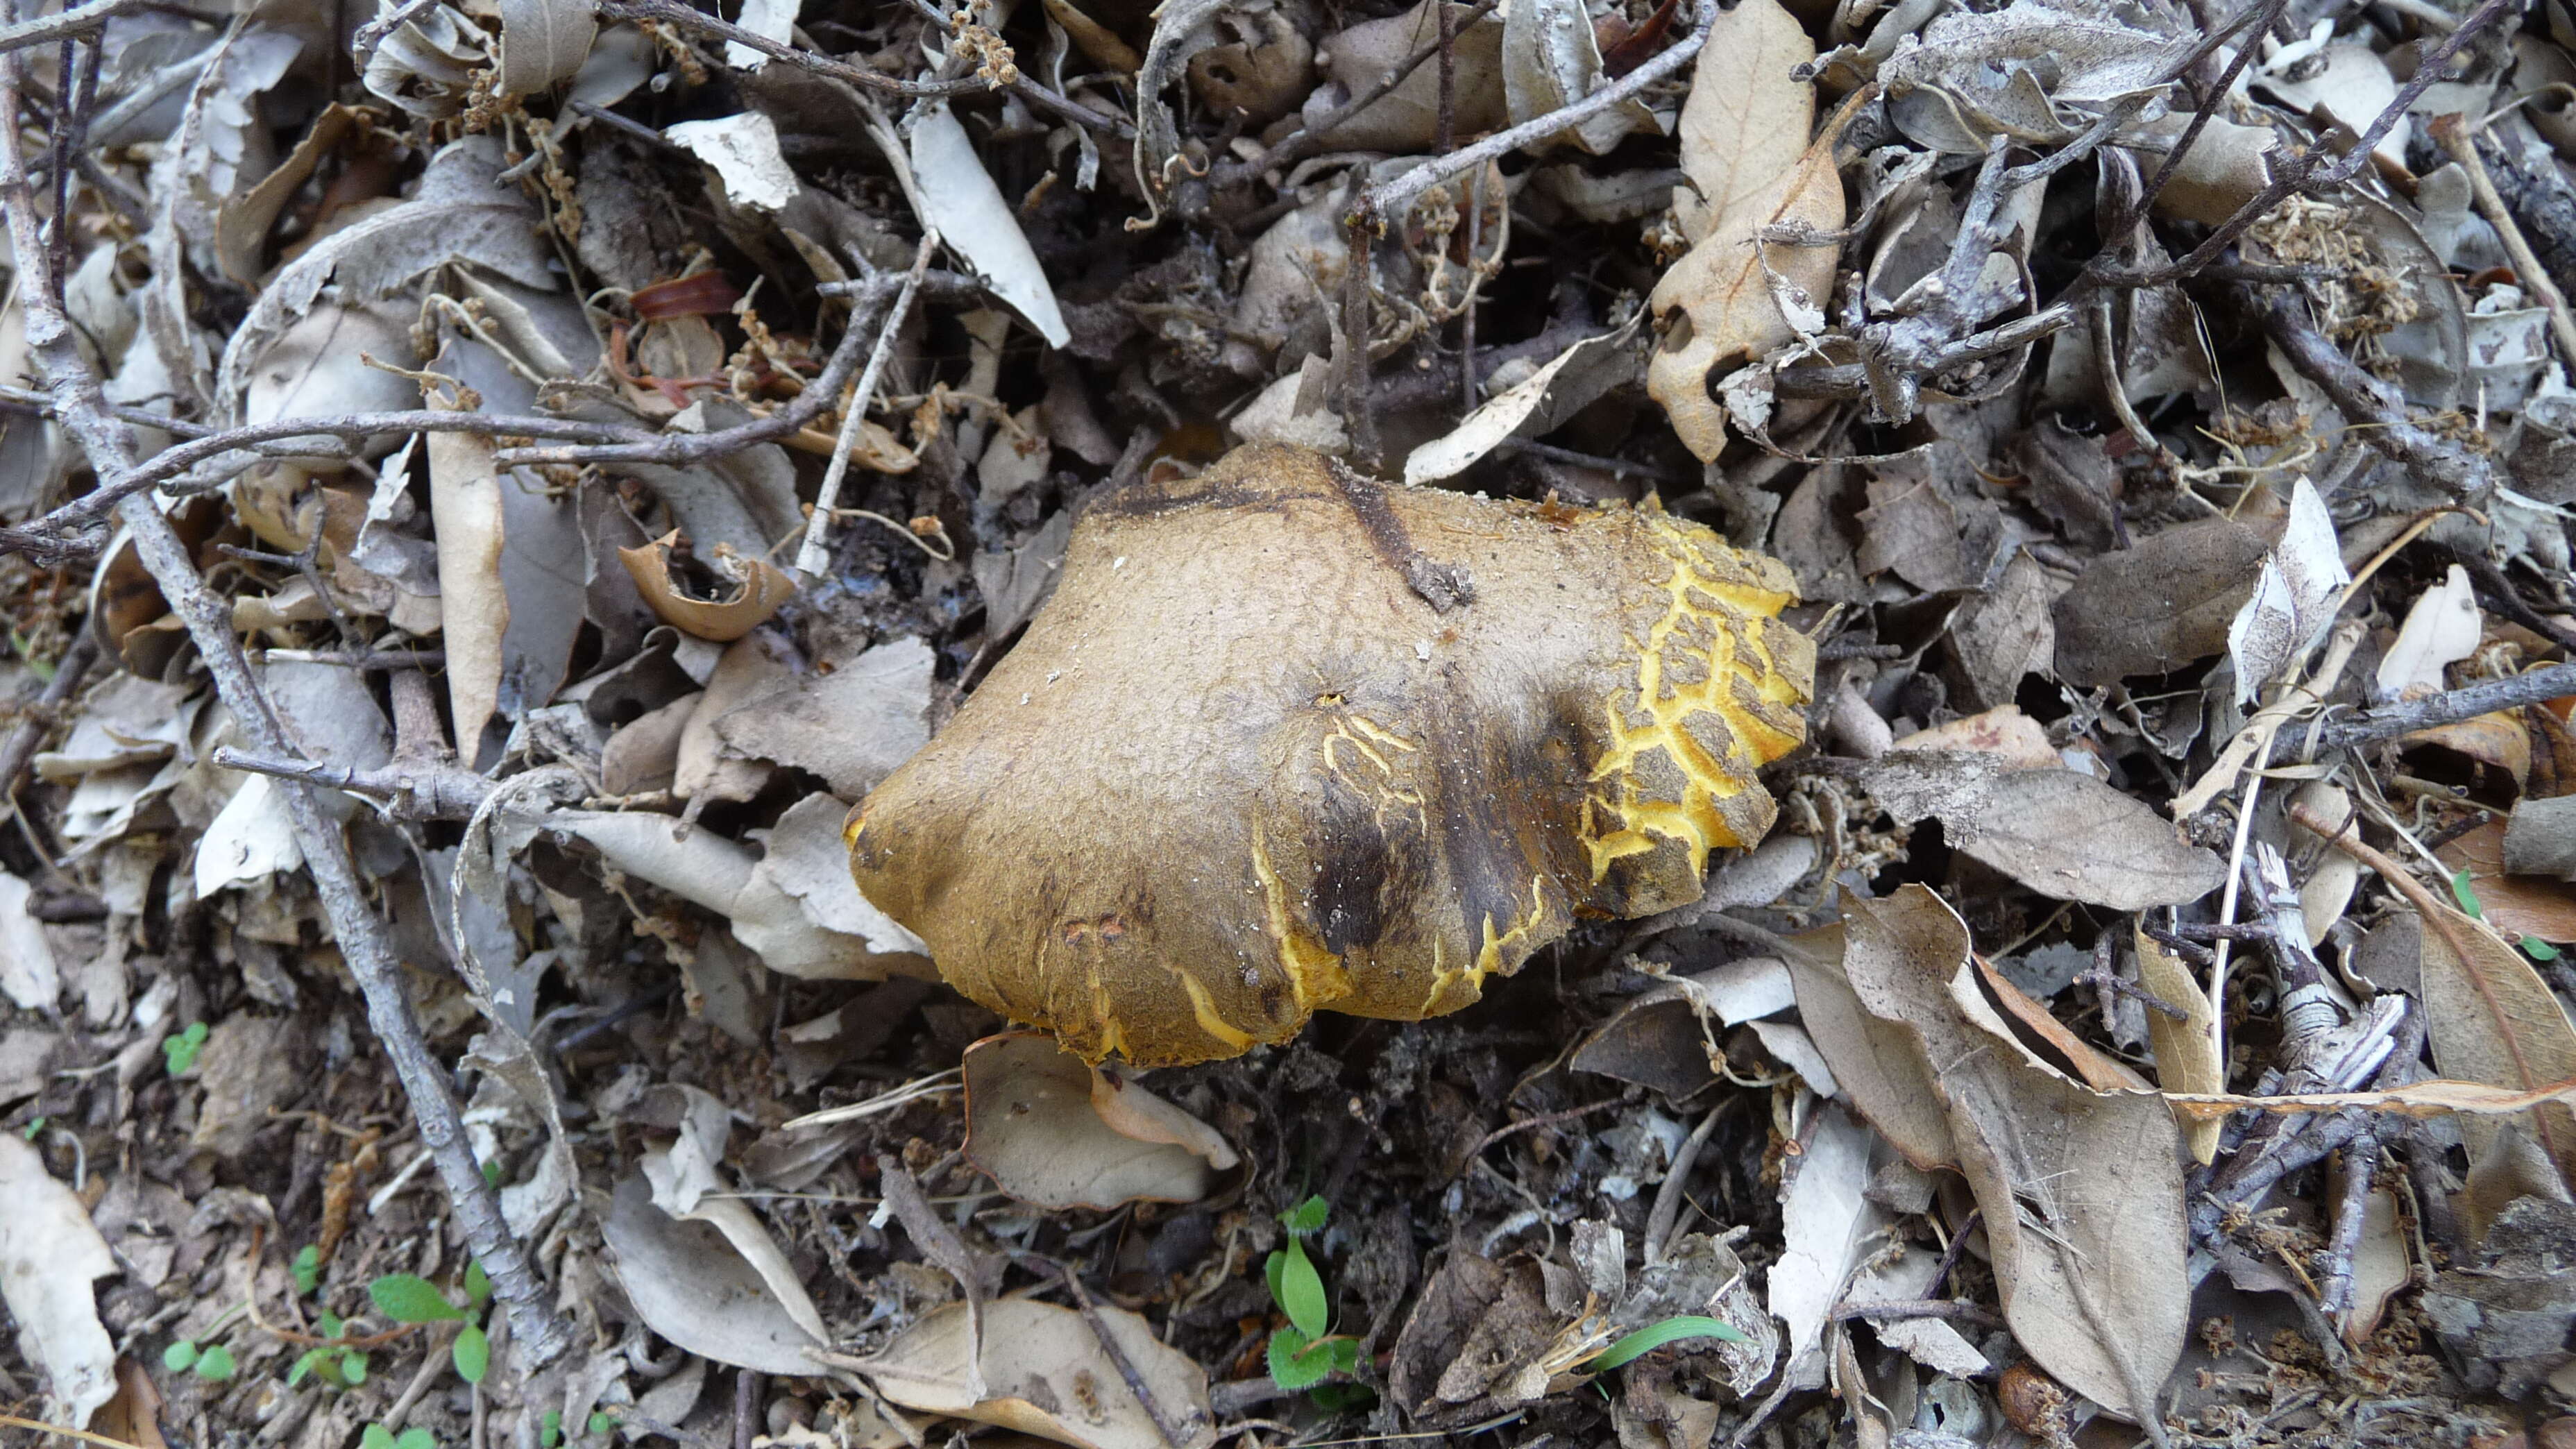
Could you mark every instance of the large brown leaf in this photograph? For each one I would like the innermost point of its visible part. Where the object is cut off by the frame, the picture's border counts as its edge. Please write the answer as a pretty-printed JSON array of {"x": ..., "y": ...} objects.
[{"x": 2065, "y": 835}]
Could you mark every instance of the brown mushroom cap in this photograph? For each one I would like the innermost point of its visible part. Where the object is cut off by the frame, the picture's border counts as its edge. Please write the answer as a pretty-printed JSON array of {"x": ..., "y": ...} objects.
[{"x": 1244, "y": 766}]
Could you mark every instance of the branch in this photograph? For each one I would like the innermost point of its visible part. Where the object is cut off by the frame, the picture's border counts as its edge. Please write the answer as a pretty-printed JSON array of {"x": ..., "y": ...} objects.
[
  {"x": 811, "y": 557},
  {"x": 1392, "y": 197},
  {"x": 2376, "y": 408},
  {"x": 2550, "y": 681},
  {"x": 672, "y": 12},
  {"x": 76, "y": 21},
  {"x": 81, "y": 409}
]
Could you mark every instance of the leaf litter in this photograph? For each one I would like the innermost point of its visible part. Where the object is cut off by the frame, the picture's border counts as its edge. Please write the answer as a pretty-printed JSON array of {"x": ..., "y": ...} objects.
[{"x": 1936, "y": 810}]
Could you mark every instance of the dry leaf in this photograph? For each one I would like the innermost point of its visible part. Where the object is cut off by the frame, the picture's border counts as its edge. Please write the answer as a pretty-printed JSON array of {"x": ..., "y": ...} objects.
[
  {"x": 543, "y": 42},
  {"x": 49, "y": 1254},
  {"x": 2101, "y": 1072},
  {"x": 1033, "y": 1127},
  {"x": 959, "y": 201},
  {"x": 1571, "y": 381},
  {"x": 2065, "y": 835},
  {"x": 2082, "y": 1191},
  {"x": 2157, "y": 607},
  {"x": 1878, "y": 1063},
  {"x": 743, "y": 152},
  {"x": 1408, "y": 117},
  {"x": 473, "y": 607},
  {"x": 2187, "y": 1051},
  {"x": 1362, "y": 667},
  {"x": 2442, "y": 628},
  {"x": 1828, "y": 1227},
  {"x": 2013, "y": 738},
  {"x": 760, "y": 588},
  {"x": 1745, "y": 147},
  {"x": 1045, "y": 1373},
  {"x": 2302, "y": 577},
  {"x": 2516, "y": 905},
  {"x": 28, "y": 975},
  {"x": 691, "y": 1287}
]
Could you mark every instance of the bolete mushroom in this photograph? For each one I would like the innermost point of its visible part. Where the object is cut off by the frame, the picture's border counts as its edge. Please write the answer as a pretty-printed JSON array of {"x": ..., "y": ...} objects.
[{"x": 1287, "y": 739}]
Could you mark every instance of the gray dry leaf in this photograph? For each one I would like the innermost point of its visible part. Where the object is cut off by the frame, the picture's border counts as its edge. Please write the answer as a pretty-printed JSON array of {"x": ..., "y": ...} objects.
[
  {"x": 851, "y": 726},
  {"x": 2065, "y": 835},
  {"x": 689, "y": 1285},
  {"x": 689, "y": 1186},
  {"x": 1032, "y": 1126},
  {"x": 2157, "y": 607},
  {"x": 2082, "y": 1191},
  {"x": 2025, "y": 70},
  {"x": 1828, "y": 1225},
  {"x": 50, "y": 1253},
  {"x": 543, "y": 42},
  {"x": 1571, "y": 381},
  {"x": 1044, "y": 1372},
  {"x": 2492, "y": 1019},
  {"x": 743, "y": 151},
  {"x": 1551, "y": 60}
]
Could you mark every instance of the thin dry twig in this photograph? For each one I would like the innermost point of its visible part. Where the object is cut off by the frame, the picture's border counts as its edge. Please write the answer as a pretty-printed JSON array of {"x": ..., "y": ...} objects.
[
  {"x": 2454, "y": 137},
  {"x": 80, "y": 408},
  {"x": 811, "y": 557},
  {"x": 2487, "y": 696}
]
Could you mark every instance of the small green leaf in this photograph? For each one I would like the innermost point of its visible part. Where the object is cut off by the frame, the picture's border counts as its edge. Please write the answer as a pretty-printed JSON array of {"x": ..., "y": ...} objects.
[
  {"x": 1655, "y": 1335},
  {"x": 1270, "y": 1267},
  {"x": 415, "y": 1437},
  {"x": 215, "y": 1364},
  {"x": 601, "y": 1422},
  {"x": 2538, "y": 949},
  {"x": 2466, "y": 894},
  {"x": 1308, "y": 1216},
  {"x": 307, "y": 1268},
  {"x": 179, "y": 1051},
  {"x": 550, "y": 1429},
  {"x": 33, "y": 1128},
  {"x": 179, "y": 1357},
  {"x": 472, "y": 1352},
  {"x": 478, "y": 1284},
  {"x": 1301, "y": 1292},
  {"x": 1297, "y": 1362},
  {"x": 330, "y": 1323},
  {"x": 375, "y": 1436},
  {"x": 491, "y": 1172},
  {"x": 407, "y": 1298},
  {"x": 353, "y": 1368}
]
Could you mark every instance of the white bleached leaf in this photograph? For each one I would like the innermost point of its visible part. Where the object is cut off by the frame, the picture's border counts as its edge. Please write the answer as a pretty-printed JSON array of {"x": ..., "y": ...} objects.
[
  {"x": 2442, "y": 629},
  {"x": 2302, "y": 576},
  {"x": 771, "y": 19},
  {"x": 28, "y": 975},
  {"x": 49, "y": 1254},
  {"x": 1550, "y": 61},
  {"x": 961, "y": 203},
  {"x": 1827, "y": 1215},
  {"x": 1570, "y": 381},
  {"x": 250, "y": 840},
  {"x": 743, "y": 149},
  {"x": 690, "y": 1286}
]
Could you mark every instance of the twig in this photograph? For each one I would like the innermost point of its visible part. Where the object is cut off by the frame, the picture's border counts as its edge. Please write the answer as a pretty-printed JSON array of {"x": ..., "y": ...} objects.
[
  {"x": 2365, "y": 399},
  {"x": 2550, "y": 681},
  {"x": 1668, "y": 1197},
  {"x": 2360, "y": 1163},
  {"x": 1957, "y": 1310},
  {"x": 409, "y": 789},
  {"x": 79, "y": 20},
  {"x": 81, "y": 409},
  {"x": 671, "y": 12},
  {"x": 2454, "y": 138},
  {"x": 1174, "y": 1435},
  {"x": 812, "y": 558},
  {"x": 1314, "y": 138},
  {"x": 1392, "y": 197},
  {"x": 359, "y": 658},
  {"x": 1547, "y": 1119},
  {"x": 39, "y": 719}
]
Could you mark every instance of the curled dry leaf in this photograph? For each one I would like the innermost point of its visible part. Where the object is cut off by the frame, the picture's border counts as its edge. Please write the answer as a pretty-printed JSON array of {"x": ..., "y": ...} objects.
[
  {"x": 543, "y": 42},
  {"x": 1745, "y": 147},
  {"x": 760, "y": 588},
  {"x": 1401, "y": 737},
  {"x": 2187, "y": 1051},
  {"x": 2294, "y": 594},
  {"x": 743, "y": 151},
  {"x": 1056, "y": 1133},
  {"x": 2081, "y": 1190},
  {"x": 1044, "y": 1372},
  {"x": 49, "y": 1254},
  {"x": 960, "y": 202},
  {"x": 691, "y": 1287}
]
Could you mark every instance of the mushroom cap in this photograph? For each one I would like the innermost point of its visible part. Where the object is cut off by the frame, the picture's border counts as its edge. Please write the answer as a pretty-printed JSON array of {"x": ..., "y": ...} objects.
[{"x": 1286, "y": 739}]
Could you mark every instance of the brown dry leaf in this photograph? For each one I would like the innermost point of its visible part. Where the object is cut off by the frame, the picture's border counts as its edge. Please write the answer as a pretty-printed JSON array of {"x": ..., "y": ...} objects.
[
  {"x": 690, "y": 1286},
  {"x": 473, "y": 608},
  {"x": 2101, "y": 1072},
  {"x": 2187, "y": 1051},
  {"x": 2014, "y": 738},
  {"x": 2516, "y": 905},
  {"x": 1045, "y": 1373},
  {"x": 2497, "y": 740},
  {"x": 2082, "y": 1190},
  {"x": 1033, "y": 1127},
  {"x": 1402, "y": 737},
  {"x": 760, "y": 587},
  {"x": 1876, "y": 1061},
  {"x": 2065, "y": 835},
  {"x": 1408, "y": 117},
  {"x": 1745, "y": 147},
  {"x": 1132, "y": 1111},
  {"x": 2159, "y": 606}
]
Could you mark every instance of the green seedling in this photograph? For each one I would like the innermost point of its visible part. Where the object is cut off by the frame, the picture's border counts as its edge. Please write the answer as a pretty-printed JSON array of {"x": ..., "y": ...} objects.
[
  {"x": 377, "y": 1436},
  {"x": 2538, "y": 949},
  {"x": 307, "y": 1268},
  {"x": 1306, "y": 1353},
  {"x": 179, "y": 1049},
  {"x": 1655, "y": 1335},
  {"x": 407, "y": 1298},
  {"x": 213, "y": 1362}
]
